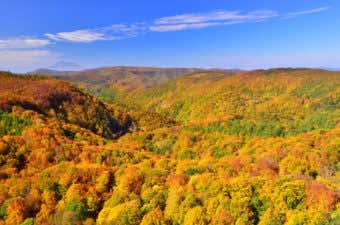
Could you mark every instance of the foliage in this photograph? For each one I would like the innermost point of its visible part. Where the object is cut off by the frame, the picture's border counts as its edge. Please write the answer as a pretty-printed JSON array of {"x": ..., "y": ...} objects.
[
  {"x": 28, "y": 221},
  {"x": 11, "y": 124},
  {"x": 259, "y": 147}
]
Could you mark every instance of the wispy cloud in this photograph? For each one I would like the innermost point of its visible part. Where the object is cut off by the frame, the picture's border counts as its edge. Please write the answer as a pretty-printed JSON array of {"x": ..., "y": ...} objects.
[
  {"x": 306, "y": 12},
  {"x": 26, "y": 51},
  {"x": 217, "y": 18},
  {"x": 23, "y": 43},
  {"x": 23, "y": 58},
  {"x": 183, "y": 26},
  {"x": 164, "y": 24},
  {"x": 174, "y": 23},
  {"x": 23, "y": 52},
  {"x": 78, "y": 36},
  {"x": 114, "y": 32}
]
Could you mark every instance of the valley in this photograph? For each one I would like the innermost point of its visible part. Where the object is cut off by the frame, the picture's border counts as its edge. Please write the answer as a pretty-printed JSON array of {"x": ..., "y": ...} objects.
[{"x": 137, "y": 145}]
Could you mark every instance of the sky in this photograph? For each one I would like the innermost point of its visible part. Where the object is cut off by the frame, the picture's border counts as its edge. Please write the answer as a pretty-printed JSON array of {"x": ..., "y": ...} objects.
[{"x": 226, "y": 34}]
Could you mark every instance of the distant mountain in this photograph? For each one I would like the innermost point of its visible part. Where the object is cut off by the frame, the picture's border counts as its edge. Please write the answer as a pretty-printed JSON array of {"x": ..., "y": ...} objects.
[
  {"x": 60, "y": 68},
  {"x": 127, "y": 78},
  {"x": 50, "y": 72},
  {"x": 110, "y": 82},
  {"x": 330, "y": 68},
  {"x": 65, "y": 66}
]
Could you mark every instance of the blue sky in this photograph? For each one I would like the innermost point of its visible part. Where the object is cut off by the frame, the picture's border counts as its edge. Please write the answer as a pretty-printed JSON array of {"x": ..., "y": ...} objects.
[{"x": 177, "y": 33}]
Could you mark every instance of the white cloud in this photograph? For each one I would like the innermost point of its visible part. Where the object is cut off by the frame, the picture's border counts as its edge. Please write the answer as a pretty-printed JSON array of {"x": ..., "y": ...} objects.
[
  {"x": 25, "y": 58},
  {"x": 306, "y": 12},
  {"x": 127, "y": 29},
  {"x": 174, "y": 23},
  {"x": 23, "y": 43},
  {"x": 177, "y": 27},
  {"x": 114, "y": 32},
  {"x": 78, "y": 36},
  {"x": 164, "y": 24},
  {"x": 197, "y": 18},
  {"x": 218, "y": 18}
]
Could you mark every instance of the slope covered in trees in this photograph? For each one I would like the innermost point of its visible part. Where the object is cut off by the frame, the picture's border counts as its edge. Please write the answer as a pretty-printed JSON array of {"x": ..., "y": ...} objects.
[
  {"x": 274, "y": 102},
  {"x": 111, "y": 82},
  {"x": 221, "y": 168},
  {"x": 61, "y": 100}
]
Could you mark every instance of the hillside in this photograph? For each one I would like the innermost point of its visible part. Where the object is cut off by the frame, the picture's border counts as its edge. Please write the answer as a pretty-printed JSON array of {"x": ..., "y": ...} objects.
[
  {"x": 259, "y": 147},
  {"x": 281, "y": 101},
  {"x": 50, "y": 72},
  {"x": 113, "y": 81},
  {"x": 59, "y": 99}
]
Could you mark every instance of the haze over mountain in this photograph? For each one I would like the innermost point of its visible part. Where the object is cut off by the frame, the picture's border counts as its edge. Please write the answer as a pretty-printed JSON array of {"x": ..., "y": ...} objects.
[
  {"x": 51, "y": 72},
  {"x": 65, "y": 66}
]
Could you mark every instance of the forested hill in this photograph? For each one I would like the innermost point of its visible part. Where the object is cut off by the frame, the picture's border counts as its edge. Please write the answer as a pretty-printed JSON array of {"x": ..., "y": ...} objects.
[
  {"x": 53, "y": 98},
  {"x": 262, "y": 102},
  {"x": 209, "y": 147},
  {"x": 114, "y": 80}
]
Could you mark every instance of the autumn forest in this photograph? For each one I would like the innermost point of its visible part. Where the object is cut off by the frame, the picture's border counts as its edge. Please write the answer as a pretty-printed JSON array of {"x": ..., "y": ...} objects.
[{"x": 153, "y": 146}]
